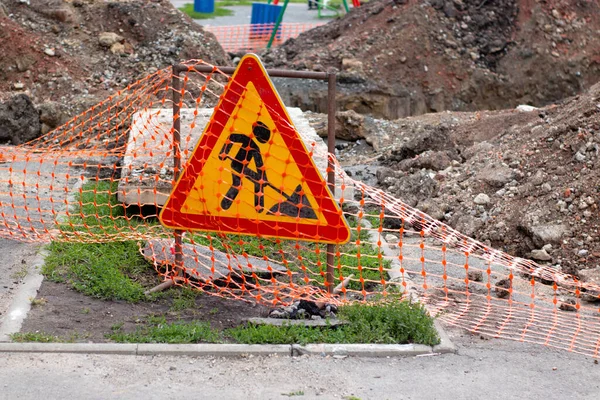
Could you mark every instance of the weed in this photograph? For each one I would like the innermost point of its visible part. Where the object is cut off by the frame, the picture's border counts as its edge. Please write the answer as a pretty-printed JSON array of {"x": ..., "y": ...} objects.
[
  {"x": 40, "y": 337},
  {"x": 85, "y": 311},
  {"x": 296, "y": 393},
  {"x": 159, "y": 331},
  {"x": 214, "y": 311},
  {"x": 389, "y": 322},
  {"x": 37, "y": 302},
  {"x": 184, "y": 298},
  {"x": 77, "y": 336},
  {"x": 117, "y": 327},
  {"x": 392, "y": 321},
  {"x": 20, "y": 274}
]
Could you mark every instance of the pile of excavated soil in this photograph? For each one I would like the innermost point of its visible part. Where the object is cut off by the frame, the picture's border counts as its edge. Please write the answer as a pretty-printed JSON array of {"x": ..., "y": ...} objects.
[
  {"x": 398, "y": 58},
  {"x": 74, "y": 53},
  {"x": 526, "y": 182}
]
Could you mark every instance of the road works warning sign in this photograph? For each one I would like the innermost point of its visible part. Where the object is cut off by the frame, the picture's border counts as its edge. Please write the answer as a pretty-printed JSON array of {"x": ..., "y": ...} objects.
[{"x": 250, "y": 172}]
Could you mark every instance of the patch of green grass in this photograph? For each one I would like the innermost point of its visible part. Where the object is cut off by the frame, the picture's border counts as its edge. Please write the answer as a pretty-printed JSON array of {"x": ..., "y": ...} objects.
[
  {"x": 35, "y": 302},
  {"x": 102, "y": 270},
  {"x": 219, "y": 12},
  {"x": 232, "y": 3},
  {"x": 358, "y": 257},
  {"x": 98, "y": 211},
  {"x": 390, "y": 322},
  {"x": 184, "y": 298},
  {"x": 42, "y": 337},
  {"x": 159, "y": 331},
  {"x": 39, "y": 337}
]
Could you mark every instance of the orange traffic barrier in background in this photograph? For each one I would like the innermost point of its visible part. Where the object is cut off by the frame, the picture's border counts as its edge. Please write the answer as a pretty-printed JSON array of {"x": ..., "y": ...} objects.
[{"x": 256, "y": 36}]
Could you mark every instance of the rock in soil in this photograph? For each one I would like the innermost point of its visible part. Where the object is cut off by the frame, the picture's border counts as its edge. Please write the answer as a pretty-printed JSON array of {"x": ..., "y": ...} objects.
[{"x": 19, "y": 120}]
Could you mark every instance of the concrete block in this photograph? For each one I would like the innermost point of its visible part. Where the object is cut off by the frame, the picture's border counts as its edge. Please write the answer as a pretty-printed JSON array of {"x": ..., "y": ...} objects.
[{"x": 147, "y": 173}]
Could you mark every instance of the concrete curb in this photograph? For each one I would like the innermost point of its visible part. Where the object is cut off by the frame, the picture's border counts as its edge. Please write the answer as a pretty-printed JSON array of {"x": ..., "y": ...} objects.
[
  {"x": 216, "y": 350},
  {"x": 224, "y": 350},
  {"x": 362, "y": 350},
  {"x": 85, "y": 348},
  {"x": 20, "y": 305},
  {"x": 446, "y": 345}
]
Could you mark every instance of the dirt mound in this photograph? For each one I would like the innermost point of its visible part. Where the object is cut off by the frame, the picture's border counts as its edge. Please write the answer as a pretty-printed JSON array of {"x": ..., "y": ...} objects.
[
  {"x": 400, "y": 58},
  {"x": 523, "y": 182},
  {"x": 77, "y": 52}
]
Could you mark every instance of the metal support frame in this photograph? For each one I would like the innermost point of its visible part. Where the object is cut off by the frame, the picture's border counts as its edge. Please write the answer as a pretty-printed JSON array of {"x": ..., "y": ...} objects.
[{"x": 331, "y": 79}]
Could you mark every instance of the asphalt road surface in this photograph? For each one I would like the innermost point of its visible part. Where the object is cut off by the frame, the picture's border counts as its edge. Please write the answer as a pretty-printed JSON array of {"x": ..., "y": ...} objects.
[{"x": 482, "y": 369}]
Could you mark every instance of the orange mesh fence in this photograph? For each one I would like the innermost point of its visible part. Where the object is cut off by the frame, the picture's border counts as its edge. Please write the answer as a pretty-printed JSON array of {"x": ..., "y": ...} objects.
[
  {"x": 105, "y": 174},
  {"x": 256, "y": 36}
]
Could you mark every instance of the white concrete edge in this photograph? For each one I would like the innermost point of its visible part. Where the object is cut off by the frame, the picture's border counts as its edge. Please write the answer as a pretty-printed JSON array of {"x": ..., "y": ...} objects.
[
  {"x": 21, "y": 303},
  {"x": 446, "y": 345},
  {"x": 362, "y": 350},
  {"x": 225, "y": 350}
]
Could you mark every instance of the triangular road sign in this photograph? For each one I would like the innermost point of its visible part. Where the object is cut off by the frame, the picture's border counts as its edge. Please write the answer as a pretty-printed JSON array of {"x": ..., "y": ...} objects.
[{"x": 250, "y": 172}]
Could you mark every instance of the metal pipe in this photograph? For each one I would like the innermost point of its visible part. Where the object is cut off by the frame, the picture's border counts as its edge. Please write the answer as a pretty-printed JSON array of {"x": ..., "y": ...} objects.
[
  {"x": 176, "y": 87},
  {"x": 331, "y": 107},
  {"x": 273, "y": 73}
]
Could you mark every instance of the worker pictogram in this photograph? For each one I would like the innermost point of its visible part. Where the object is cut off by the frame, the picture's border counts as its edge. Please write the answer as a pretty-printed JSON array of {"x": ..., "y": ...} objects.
[{"x": 251, "y": 173}]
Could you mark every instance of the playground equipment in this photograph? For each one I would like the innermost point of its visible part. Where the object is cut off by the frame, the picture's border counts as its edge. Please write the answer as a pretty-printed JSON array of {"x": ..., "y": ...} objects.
[
  {"x": 329, "y": 9},
  {"x": 276, "y": 16}
]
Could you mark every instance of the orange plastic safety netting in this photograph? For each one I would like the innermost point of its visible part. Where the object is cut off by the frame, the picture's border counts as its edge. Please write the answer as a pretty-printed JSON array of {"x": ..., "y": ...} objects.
[
  {"x": 105, "y": 175},
  {"x": 254, "y": 37}
]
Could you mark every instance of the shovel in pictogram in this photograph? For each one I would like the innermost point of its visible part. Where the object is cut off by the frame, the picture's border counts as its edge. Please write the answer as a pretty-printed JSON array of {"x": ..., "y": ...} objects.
[{"x": 294, "y": 205}]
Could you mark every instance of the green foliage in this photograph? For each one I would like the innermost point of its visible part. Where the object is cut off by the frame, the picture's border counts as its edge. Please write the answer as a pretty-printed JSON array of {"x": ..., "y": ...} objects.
[
  {"x": 392, "y": 321},
  {"x": 184, "y": 298},
  {"x": 296, "y": 393},
  {"x": 98, "y": 211},
  {"x": 358, "y": 257},
  {"x": 159, "y": 331},
  {"x": 232, "y": 3},
  {"x": 39, "y": 337},
  {"x": 389, "y": 322},
  {"x": 239, "y": 244},
  {"x": 102, "y": 270},
  {"x": 188, "y": 9},
  {"x": 42, "y": 337}
]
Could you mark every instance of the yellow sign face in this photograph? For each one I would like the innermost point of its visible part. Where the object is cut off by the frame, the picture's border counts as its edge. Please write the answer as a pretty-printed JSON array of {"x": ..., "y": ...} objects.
[
  {"x": 250, "y": 173},
  {"x": 231, "y": 182}
]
